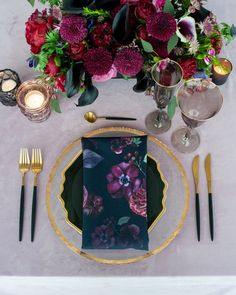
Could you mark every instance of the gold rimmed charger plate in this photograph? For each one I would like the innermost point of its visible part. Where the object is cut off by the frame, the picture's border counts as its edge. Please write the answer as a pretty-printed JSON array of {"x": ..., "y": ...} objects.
[{"x": 165, "y": 230}]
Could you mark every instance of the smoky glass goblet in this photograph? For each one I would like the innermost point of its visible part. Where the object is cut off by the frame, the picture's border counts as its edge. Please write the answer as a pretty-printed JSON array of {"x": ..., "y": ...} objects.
[
  {"x": 198, "y": 100},
  {"x": 166, "y": 74}
]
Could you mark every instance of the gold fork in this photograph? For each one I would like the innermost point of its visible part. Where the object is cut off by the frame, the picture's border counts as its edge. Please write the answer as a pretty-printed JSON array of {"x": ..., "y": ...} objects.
[
  {"x": 24, "y": 166},
  {"x": 36, "y": 167}
]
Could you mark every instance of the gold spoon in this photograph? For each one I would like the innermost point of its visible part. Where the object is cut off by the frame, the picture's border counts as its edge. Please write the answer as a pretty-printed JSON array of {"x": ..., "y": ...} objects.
[{"x": 91, "y": 117}]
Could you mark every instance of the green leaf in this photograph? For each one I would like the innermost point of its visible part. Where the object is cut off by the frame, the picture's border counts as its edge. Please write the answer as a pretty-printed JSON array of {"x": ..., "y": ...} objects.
[
  {"x": 57, "y": 60},
  {"x": 123, "y": 220},
  {"x": 88, "y": 96},
  {"x": 54, "y": 103},
  {"x": 95, "y": 13},
  {"x": 31, "y": 2},
  {"x": 145, "y": 159},
  {"x": 73, "y": 79},
  {"x": 172, "y": 107},
  {"x": 172, "y": 43},
  {"x": 147, "y": 46},
  {"x": 169, "y": 7},
  {"x": 125, "y": 77}
]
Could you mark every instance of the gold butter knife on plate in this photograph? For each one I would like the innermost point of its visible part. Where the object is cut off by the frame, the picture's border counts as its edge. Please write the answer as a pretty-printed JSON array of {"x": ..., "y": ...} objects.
[
  {"x": 195, "y": 170},
  {"x": 208, "y": 176}
]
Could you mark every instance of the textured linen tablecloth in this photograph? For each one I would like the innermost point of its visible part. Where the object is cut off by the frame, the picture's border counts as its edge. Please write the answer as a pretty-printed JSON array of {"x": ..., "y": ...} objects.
[{"x": 48, "y": 255}]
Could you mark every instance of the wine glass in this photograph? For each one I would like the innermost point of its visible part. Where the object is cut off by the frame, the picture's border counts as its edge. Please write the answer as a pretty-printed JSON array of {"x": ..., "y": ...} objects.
[
  {"x": 198, "y": 100},
  {"x": 166, "y": 74}
]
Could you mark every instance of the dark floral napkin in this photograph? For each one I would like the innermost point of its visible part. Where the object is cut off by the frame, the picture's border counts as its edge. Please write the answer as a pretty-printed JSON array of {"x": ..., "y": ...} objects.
[{"x": 115, "y": 198}]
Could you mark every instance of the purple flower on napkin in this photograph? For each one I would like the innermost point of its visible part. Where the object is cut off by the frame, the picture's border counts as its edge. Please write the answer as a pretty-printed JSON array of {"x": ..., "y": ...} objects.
[
  {"x": 92, "y": 205},
  {"x": 138, "y": 202},
  {"x": 103, "y": 237},
  {"x": 129, "y": 235},
  {"x": 123, "y": 180}
]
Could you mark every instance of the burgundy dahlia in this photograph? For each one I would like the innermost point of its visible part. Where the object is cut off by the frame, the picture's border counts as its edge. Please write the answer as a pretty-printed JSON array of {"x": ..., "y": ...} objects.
[
  {"x": 162, "y": 26},
  {"x": 102, "y": 35},
  {"x": 128, "y": 61},
  {"x": 73, "y": 28},
  {"x": 97, "y": 61}
]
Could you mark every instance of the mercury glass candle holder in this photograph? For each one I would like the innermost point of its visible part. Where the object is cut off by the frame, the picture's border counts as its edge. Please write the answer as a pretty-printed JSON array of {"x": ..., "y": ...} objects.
[
  {"x": 33, "y": 98},
  {"x": 9, "y": 83}
]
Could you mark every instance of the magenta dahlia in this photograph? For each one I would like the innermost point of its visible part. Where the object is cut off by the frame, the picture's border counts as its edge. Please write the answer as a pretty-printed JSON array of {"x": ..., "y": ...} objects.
[
  {"x": 128, "y": 61},
  {"x": 97, "y": 61},
  {"x": 162, "y": 26},
  {"x": 73, "y": 28}
]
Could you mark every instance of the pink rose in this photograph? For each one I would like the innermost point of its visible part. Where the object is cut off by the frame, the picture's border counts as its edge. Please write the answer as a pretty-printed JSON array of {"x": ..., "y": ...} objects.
[{"x": 111, "y": 74}]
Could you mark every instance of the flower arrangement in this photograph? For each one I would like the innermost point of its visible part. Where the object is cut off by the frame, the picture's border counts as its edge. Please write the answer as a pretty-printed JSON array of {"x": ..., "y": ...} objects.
[{"x": 77, "y": 43}]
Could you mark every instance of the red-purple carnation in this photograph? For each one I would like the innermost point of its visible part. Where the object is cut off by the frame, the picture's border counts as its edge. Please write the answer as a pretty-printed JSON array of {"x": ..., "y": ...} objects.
[
  {"x": 102, "y": 35},
  {"x": 97, "y": 61},
  {"x": 145, "y": 10},
  {"x": 189, "y": 66},
  {"x": 128, "y": 61},
  {"x": 162, "y": 26},
  {"x": 73, "y": 28}
]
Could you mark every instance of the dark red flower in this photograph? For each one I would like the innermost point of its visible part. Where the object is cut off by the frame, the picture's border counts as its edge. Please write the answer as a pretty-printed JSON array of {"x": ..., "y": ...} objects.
[
  {"x": 145, "y": 10},
  {"x": 217, "y": 43},
  {"x": 131, "y": 2},
  {"x": 77, "y": 50},
  {"x": 73, "y": 28},
  {"x": 162, "y": 26},
  {"x": 60, "y": 83},
  {"x": 160, "y": 48},
  {"x": 103, "y": 237},
  {"x": 97, "y": 61},
  {"x": 142, "y": 33},
  {"x": 138, "y": 202},
  {"x": 36, "y": 29},
  {"x": 128, "y": 61},
  {"x": 102, "y": 35},
  {"x": 51, "y": 68},
  {"x": 189, "y": 66}
]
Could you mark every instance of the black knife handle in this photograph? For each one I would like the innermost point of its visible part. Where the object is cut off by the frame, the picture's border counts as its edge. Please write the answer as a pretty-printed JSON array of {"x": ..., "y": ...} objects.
[
  {"x": 120, "y": 118},
  {"x": 198, "y": 216},
  {"x": 33, "y": 214},
  {"x": 22, "y": 206},
  {"x": 211, "y": 220}
]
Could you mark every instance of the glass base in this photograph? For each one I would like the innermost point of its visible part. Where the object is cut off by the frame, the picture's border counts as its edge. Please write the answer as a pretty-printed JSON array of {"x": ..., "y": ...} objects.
[
  {"x": 158, "y": 122},
  {"x": 185, "y": 140}
]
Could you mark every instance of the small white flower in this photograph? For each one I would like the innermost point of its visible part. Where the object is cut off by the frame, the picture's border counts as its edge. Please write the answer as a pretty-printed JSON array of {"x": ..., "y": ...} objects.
[{"x": 194, "y": 46}]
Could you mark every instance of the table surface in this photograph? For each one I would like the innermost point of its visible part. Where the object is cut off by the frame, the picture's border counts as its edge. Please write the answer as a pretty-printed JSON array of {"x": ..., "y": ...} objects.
[{"x": 48, "y": 255}]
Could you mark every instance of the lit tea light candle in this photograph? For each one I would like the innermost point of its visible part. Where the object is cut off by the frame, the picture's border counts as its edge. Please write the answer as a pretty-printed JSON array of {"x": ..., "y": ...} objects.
[
  {"x": 221, "y": 72},
  {"x": 8, "y": 85},
  {"x": 34, "y": 99}
]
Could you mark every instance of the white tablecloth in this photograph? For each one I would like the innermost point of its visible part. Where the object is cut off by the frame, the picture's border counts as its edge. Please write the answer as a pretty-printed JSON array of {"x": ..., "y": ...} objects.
[{"x": 48, "y": 255}]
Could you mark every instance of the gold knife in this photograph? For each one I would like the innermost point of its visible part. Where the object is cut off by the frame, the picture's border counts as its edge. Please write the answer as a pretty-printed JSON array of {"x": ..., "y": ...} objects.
[
  {"x": 195, "y": 170},
  {"x": 209, "y": 186}
]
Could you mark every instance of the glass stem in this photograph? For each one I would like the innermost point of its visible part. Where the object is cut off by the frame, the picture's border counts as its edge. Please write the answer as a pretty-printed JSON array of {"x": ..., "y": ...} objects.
[{"x": 187, "y": 136}]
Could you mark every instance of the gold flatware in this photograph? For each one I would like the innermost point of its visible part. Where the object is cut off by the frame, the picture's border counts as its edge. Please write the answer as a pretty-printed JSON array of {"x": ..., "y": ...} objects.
[
  {"x": 209, "y": 186},
  {"x": 36, "y": 167},
  {"x": 195, "y": 170},
  {"x": 91, "y": 117},
  {"x": 24, "y": 166}
]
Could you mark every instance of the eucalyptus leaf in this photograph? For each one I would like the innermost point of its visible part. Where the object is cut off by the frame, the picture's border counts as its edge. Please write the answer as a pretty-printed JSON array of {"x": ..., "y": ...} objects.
[
  {"x": 172, "y": 107},
  {"x": 169, "y": 7},
  {"x": 91, "y": 159},
  {"x": 147, "y": 46},
  {"x": 54, "y": 103},
  {"x": 31, "y": 2},
  {"x": 123, "y": 220},
  {"x": 172, "y": 43}
]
